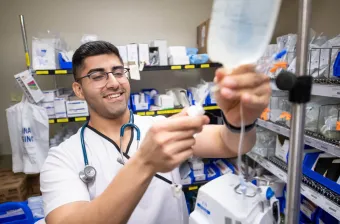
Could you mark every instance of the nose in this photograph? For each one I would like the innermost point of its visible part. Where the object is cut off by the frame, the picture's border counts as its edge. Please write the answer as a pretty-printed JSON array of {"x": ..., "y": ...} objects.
[{"x": 112, "y": 82}]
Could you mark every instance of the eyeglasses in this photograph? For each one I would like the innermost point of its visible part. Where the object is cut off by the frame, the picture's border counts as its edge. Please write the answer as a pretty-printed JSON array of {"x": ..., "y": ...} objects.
[{"x": 100, "y": 78}]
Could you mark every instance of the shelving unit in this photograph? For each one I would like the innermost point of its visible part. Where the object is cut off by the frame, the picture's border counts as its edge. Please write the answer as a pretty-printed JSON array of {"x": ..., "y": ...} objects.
[
  {"x": 145, "y": 69},
  {"x": 306, "y": 189}
]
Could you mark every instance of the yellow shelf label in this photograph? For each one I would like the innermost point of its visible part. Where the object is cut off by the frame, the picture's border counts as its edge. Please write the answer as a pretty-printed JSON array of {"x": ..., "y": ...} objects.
[
  {"x": 51, "y": 121},
  {"x": 58, "y": 72},
  {"x": 80, "y": 119},
  {"x": 41, "y": 72},
  {"x": 211, "y": 108},
  {"x": 176, "y": 67},
  {"x": 172, "y": 111},
  {"x": 189, "y": 66},
  {"x": 205, "y": 66},
  {"x": 148, "y": 113},
  {"x": 141, "y": 113},
  {"x": 62, "y": 120},
  {"x": 192, "y": 188}
]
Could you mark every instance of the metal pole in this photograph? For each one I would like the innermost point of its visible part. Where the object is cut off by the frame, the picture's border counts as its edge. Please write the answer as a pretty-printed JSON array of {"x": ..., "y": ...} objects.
[
  {"x": 298, "y": 119},
  {"x": 24, "y": 38}
]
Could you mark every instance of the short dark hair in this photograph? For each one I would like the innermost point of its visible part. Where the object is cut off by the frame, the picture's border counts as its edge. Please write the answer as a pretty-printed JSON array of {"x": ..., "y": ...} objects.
[{"x": 92, "y": 48}]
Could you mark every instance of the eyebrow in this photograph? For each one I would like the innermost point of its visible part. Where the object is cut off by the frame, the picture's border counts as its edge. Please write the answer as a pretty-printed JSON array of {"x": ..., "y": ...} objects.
[{"x": 102, "y": 69}]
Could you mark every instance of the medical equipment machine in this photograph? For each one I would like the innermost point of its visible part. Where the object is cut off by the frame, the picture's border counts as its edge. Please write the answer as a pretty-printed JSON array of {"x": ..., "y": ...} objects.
[
  {"x": 89, "y": 173},
  {"x": 221, "y": 201}
]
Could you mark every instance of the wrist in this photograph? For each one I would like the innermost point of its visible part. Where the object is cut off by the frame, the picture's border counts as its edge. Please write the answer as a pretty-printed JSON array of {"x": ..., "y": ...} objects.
[
  {"x": 237, "y": 129},
  {"x": 143, "y": 164}
]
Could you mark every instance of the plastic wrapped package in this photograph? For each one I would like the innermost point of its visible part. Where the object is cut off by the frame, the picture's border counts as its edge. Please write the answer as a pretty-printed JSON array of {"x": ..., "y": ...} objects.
[
  {"x": 328, "y": 120},
  {"x": 280, "y": 108},
  {"x": 312, "y": 113},
  {"x": 265, "y": 142}
]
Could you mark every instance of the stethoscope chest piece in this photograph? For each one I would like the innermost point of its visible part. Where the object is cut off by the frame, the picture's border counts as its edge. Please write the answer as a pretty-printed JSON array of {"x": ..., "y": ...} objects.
[{"x": 88, "y": 174}]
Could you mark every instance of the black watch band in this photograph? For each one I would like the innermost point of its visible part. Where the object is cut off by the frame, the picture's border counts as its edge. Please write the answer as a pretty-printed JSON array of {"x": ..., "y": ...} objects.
[{"x": 237, "y": 129}]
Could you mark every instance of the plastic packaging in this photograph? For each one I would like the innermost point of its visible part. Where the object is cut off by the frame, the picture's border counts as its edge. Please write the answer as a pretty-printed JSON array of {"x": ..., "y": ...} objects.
[{"x": 240, "y": 30}]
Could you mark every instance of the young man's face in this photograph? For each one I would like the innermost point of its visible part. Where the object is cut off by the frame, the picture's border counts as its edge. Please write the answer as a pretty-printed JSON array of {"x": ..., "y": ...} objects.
[{"x": 108, "y": 98}]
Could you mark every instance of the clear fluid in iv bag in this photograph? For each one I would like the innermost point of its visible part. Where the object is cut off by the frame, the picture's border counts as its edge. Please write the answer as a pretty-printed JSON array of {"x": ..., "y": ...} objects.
[{"x": 240, "y": 30}]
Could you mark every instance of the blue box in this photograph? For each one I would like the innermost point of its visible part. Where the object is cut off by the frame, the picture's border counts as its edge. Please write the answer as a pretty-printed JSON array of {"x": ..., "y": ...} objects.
[
  {"x": 135, "y": 108},
  {"x": 336, "y": 66},
  {"x": 63, "y": 64}
]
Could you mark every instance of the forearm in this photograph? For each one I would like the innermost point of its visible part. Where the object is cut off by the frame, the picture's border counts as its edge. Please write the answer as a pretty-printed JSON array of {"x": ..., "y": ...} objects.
[
  {"x": 231, "y": 140},
  {"x": 118, "y": 201}
]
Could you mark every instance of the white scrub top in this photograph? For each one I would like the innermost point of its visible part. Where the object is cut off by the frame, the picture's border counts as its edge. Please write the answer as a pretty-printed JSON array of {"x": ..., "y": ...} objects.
[{"x": 60, "y": 183}]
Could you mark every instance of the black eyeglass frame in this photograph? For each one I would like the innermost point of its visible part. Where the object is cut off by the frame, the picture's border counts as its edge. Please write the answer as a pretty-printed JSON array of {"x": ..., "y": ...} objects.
[{"x": 126, "y": 70}]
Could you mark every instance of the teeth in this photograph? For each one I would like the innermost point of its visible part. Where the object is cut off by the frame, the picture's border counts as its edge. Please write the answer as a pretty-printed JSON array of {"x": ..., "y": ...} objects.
[{"x": 113, "y": 96}]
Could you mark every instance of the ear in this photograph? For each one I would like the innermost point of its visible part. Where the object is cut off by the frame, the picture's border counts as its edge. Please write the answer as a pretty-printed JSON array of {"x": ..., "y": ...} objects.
[{"x": 78, "y": 90}]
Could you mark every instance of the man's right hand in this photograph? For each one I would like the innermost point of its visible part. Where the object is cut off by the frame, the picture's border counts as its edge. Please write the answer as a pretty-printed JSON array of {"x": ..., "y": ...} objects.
[{"x": 168, "y": 143}]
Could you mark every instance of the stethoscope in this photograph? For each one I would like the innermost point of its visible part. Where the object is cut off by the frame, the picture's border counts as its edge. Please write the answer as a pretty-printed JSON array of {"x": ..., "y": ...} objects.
[{"x": 88, "y": 174}]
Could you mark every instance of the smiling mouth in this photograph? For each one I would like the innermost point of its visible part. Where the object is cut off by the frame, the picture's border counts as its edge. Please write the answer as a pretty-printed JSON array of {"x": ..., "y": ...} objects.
[{"x": 113, "y": 95}]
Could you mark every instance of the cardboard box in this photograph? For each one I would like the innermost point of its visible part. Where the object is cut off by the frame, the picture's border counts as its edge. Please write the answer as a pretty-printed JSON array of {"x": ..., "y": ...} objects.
[
  {"x": 162, "y": 50},
  {"x": 33, "y": 185},
  {"x": 202, "y": 37},
  {"x": 49, "y": 108},
  {"x": 77, "y": 108},
  {"x": 60, "y": 106},
  {"x": 13, "y": 186}
]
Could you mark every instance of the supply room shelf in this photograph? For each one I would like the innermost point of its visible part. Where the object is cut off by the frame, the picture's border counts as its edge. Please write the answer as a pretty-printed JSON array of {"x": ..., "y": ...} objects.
[
  {"x": 144, "y": 113},
  {"x": 331, "y": 148},
  {"x": 327, "y": 87},
  {"x": 306, "y": 189},
  {"x": 194, "y": 186},
  {"x": 146, "y": 68}
]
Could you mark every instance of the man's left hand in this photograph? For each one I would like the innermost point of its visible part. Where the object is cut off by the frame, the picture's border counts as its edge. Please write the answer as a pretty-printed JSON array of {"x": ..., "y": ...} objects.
[{"x": 244, "y": 86}]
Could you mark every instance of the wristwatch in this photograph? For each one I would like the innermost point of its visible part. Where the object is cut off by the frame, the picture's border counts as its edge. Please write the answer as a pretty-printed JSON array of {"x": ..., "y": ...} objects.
[{"x": 238, "y": 129}]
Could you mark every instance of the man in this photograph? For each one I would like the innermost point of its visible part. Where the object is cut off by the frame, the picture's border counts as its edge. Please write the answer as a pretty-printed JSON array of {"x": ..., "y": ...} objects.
[{"x": 139, "y": 191}]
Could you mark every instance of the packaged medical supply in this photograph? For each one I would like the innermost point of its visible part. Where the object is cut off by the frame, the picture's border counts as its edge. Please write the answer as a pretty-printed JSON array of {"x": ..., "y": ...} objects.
[
  {"x": 197, "y": 166},
  {"x": 29, "y": 86},
  {"x": 191, "y": 50},
  {"x": 88, "y": 38},
  {"x": 36, "y": 206},
  {"x": 65, "y": 63},
  {"x": 222, "y": 166},
  {"x": 265, "y": 142},
  {"x": 162, "y": 50},
  {"x": 164, "y": 101},
  {"x": 49, "y": 95},
  {"x": 180, "y": 97},
  {"x": 154, "y": 56},
  {"x": 198, "y": 58},
  {"x": 143, "y": 54},
  {"x": 282, "y": 148},
  {"x": 140, "y": 101},
  {"x": 132, "y": 54},
  {"x": 177, "y": 51},
  {"x": 49, "y": 106},
  {"x": 123, "y": 54},
  {"x": 44, "y": 54},
  {"x": 179, "y": 60},
  {"x": 188, "y": 180},
  {"x": 199, "y": 177},
  {"x": 60, "y": 106},
  {"x": 77, "y": 108}
]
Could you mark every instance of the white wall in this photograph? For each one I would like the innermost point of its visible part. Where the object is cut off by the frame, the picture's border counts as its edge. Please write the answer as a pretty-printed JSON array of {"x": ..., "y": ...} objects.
[{"x": 121, "y": 22}]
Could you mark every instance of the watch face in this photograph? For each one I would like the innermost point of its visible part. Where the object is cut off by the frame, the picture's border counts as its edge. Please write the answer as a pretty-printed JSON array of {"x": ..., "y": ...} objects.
[{"x": 90, "y": 171}]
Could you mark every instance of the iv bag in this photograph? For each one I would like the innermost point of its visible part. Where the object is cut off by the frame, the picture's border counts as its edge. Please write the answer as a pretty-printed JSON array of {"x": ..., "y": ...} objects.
[{"x": 240, "y": 30}]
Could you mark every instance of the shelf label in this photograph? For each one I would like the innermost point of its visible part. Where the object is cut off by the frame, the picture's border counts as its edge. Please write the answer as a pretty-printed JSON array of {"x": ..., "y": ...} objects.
[
  {"x": 174, "y": 111},
  {"x": 42, "y": 72},
  {"x": 211, "y": 108},
  {"x": 189, "y": 66},
  {"x": 281, "y": 176},
  {"x": 205, "y": 66},
  {"x": 277, "y": 129},
  {"x": 51, "y": 121},
  {"x": 176, "y": 67},
  {"x": 148, "y": 113},
  {"x": 141, "y": 113},
  {"x": 308, "y": 141},
  {"x": 80, "y": 119},
  {"x": 332, "y": 209},
  {"x": 192, "y": 188},
  {"x": 62, "y": 120},
  {"x": 59, "y": 72}
]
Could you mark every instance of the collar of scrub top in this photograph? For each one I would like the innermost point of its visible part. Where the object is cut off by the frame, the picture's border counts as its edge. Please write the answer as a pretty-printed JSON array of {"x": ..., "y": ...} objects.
[{"x": 122, "y": 129}]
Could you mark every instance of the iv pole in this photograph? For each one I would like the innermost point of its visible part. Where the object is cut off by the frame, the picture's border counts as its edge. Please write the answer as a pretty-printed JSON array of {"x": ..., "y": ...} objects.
[
  {"x": 300, "y": 85},
  {"x": 24, "y": 39}
]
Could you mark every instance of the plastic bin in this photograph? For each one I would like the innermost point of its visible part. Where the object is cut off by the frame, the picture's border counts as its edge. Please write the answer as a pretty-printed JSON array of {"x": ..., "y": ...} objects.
[
  {"x": 336, "y": 66},
  {"x": 63, "y": 64},
  {"x": 17, "y": 213}
]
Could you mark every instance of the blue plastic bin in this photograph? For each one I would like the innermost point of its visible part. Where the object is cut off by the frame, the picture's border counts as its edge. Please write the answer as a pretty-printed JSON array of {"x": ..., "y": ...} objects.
[
  {"x": 23, "y": 218},
  {"x": 336, "y": 66},
  {"x": 63, "y": 64}
]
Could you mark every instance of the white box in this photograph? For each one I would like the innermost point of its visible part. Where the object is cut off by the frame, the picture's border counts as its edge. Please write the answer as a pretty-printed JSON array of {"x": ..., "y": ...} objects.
[
  {"x": 282, "y": 148},
  {"x": 49, "y": 106},
  {"x": 200, "y": 177},
  {"x": 179, "y": 60},
  {"x": 162, "y": 50},
  {"x": 132, "y": 54},
  {"x": 29, "y": 86},
  {"x": 177, "y": 51},
  {"x": 77, "y": 108},
  {"x": 60, "y": 106},
  {"x": 222, "y": 166},
  {"x": 49, "y": 95},
  {"x": 123, "y": 54},
  {"x": 143, "y": 54}
]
